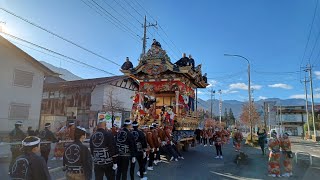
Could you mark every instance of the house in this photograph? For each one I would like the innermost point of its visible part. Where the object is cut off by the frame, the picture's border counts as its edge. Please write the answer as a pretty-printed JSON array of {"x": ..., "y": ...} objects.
[
  {"x": 292, "y": 119},
  {"x": 21, "y": 85},
  {"x": 82, "y": 100}
]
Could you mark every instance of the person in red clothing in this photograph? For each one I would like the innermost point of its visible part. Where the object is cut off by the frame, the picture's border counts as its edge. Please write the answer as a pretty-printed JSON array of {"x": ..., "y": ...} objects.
[
  {"x": 217, "y": 136},
  {"x": 238, "y": 137},
  {"x": 152, "y": 146}
]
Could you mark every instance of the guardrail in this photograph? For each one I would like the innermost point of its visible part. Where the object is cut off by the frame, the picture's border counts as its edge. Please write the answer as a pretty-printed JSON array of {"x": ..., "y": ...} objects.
[
  {"x": 42, "y": 142},
  {"x": 303, "y": 153}
]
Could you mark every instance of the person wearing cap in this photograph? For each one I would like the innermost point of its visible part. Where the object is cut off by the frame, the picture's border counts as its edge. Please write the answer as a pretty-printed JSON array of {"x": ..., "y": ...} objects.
[
  {"x": 103, "y": 149},
  {"x": 66, "y": 133},
  {"x": 274, "y": 156},
  {"x": 77, "y": 160},
  {"x": 30, "y": 165},
  {"x": 16, "y": 136},
  {"x": 141, "y": 147},
  {"x": 150, "y": 141},
  {"x": 285, "y": 145},
  {"x": 126, "y": 147},
  {"x": 127, "y": 65},
  {"x": 47, "y": 136}
]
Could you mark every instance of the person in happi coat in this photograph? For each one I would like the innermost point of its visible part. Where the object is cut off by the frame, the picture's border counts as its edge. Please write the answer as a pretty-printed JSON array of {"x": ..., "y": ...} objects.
[
  {"x": 47, "y": 136},
  {"x": 29, "y": 165},
  {"x": 274, "y": 156},
  {"x": 238, "y": 137},
  {"x": 104, "y": 152},
  {"x": 141, "y": 144},
  {"x": 127, "y": 148},
  {"x": 152, "y": 146},
  {"x": 16, "y": 136},
  {"x": 217, "y": 137},
  {"x": 262, "y": 137},
  {"x": 286, "y": 149},
  {"x": 155, "y": 136},
  {"x": 77, "y": 160},
  {"x": 66, "y": 133},
  {"x": 205, "y": 137}
]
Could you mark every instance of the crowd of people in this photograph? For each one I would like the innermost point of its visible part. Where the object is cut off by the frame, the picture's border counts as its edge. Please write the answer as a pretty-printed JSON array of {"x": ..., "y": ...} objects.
[{"x": 113, "y": 152}]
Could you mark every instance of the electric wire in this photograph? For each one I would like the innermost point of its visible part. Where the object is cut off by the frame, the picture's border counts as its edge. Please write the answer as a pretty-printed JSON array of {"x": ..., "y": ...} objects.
[
  {"x": 53, "y": 52},
  {"x": 58, "y": 36}
]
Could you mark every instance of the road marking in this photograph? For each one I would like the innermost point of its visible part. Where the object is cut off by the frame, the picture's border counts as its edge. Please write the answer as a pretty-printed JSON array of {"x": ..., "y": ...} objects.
[{"x": 233, "y": 177}]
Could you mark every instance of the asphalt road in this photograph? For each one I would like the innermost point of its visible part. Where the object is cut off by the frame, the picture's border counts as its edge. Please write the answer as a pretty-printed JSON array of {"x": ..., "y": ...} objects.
[{"x": 200, "y": 164}]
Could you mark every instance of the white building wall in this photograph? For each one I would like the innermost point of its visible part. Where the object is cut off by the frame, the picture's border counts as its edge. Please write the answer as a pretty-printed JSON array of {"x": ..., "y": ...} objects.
[
  {"x": 121, "y": 94},
  {"x": 9, "y": 61},
  {"x": 97, "y": 97}
]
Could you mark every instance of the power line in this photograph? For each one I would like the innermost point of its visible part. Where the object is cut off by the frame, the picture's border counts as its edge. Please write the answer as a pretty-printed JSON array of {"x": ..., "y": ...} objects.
[
  {"x": 305, "y": 49},
  {"x": 121, "y": 15},
  {"x": 51, "y": 51},
  {"x": 107, "y": 17},
  {"x": 127, "y": 11},
  {"x": 159, "y": 26},
  {"x": 133, "y": 8},
  {"x": 116, "y": 19},
  {"x": 56, "y": 35}
]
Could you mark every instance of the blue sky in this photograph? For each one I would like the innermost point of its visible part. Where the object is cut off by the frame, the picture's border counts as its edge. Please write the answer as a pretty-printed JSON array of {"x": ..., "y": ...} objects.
[{"x": 271, "y": 34}]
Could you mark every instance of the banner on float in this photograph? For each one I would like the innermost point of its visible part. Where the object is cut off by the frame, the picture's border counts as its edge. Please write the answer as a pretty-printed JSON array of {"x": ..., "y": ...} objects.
[{"x": 108, "y": 117}]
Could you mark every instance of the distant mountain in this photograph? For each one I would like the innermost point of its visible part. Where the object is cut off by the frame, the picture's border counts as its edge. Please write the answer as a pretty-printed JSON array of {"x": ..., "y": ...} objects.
[
  {"x": 236, "y": 106},
  {"x": 65, "y": 74}
]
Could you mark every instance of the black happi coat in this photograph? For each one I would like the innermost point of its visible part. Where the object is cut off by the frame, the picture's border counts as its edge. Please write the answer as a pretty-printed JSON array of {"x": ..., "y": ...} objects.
[
  {"x": 30, "y": 166},
  {"x": 141, "y": 142},
  {"x": 125, "y": 143},
  {"x": 78, "y": 155},
  {"x": 103, "y": 147}
]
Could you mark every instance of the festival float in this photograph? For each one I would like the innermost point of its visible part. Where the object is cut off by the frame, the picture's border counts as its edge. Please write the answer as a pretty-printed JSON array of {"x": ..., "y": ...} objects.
[{"x": 167, "y": 92}]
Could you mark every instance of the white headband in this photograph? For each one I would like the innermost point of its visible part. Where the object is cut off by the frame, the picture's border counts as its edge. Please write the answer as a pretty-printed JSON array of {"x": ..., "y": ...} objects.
[
  {"x": 135, "y": 124},
  {"x": 127, "y": 123},
  {"x": 81, "y": 128},
  {"x": 48, "y": 125},
  {"x": 31, "y": 143}
]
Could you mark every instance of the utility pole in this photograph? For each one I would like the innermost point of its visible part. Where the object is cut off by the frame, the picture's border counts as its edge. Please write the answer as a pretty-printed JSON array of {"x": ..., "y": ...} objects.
[
  {"x": 265, "y": 115},
  {"x": 220, "y": 106},
  {"x": 144, "y": 44},
  {"x": 212, "y": 102},
  {"x": 312, "y": 102},
  {"x": 307, "y": 111}
]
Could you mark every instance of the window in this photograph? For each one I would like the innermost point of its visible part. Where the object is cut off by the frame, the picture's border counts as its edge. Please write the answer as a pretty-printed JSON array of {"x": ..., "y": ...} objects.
[
  {"x": 19, "y": 111},
  {"x": 22, "y": 78}
]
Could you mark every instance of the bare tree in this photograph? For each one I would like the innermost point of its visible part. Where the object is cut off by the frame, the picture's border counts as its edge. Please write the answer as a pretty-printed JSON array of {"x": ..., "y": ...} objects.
[
  {"x": 111, "y": 103},
  {"x": 255, "y": 118}
]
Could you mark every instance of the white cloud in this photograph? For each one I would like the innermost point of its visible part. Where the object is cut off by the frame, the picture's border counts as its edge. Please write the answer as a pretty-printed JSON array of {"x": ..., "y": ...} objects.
[
  {"x": 280, "y": 85},
  {"x": 228, "y": 91},
  {"x": 317, "y": 89},
  {"x": 262, "y": 97},
  {"x": 212, "y": 83},
  {"x": 256, "y": 87},
  {"x": 242, "y": 86},
  {"x": 303, "y": 96},
  {"x": 317, "y": 73}
]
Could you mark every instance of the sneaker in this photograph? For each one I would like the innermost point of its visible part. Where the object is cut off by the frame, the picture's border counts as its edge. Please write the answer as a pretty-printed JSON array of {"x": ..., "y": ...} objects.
[
  {"x": 221, "y": 157},
  {"x": 278, "y": 175},
  {"x": 171, "y": 159},
  {"x": 155, "y": 162},
  {"x": 54, "y": 158},
  {"x": 217, "y": 157},
  {"x": 61, "y": 158},
  {"x": 290, "y": 174},
  {"x": 144, "y": 178},
  {"x": 286, "y": 175},
  {"x": 210, "y": 144},
  {"x": 150, "y": 168},
  {"x": 145, "y": 172},
  {"x": 205, "y": 145},
  {"x": 176, "y": 159},
  {"x": 181, "y": 157},
  {"x": 272, "y": 175}
]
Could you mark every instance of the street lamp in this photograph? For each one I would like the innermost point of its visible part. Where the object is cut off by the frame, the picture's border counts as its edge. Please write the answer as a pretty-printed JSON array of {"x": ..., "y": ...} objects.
[{"x": 249, "y": 84}]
